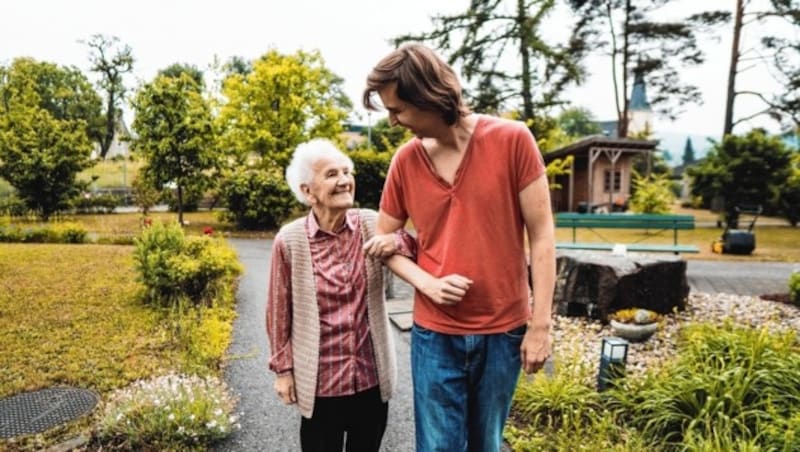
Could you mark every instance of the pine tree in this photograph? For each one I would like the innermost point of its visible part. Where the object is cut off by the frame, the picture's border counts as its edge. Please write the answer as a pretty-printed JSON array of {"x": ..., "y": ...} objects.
[{"x": 688, "y": 152}]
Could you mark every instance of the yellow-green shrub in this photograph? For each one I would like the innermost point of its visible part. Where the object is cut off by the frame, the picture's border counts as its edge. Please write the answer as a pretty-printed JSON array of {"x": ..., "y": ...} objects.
[
  {"x": 173, "y": 267},
  {"x": 51, "y": 233}
]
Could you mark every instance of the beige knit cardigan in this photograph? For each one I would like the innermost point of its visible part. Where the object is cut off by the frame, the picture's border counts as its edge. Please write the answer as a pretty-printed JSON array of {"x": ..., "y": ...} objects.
[{"x": 305, "y": 315}]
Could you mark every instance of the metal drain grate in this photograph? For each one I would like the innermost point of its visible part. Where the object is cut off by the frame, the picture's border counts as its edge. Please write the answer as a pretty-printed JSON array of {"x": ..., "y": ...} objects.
[{"x": 37, "y": 411}]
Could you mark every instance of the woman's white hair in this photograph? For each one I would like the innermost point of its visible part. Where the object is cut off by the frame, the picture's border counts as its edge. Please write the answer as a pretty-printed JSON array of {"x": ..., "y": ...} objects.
[{"x": 301, "y": 169}]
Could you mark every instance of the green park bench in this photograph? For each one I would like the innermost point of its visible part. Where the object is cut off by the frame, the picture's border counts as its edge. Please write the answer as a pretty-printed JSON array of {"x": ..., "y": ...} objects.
[{"x": 654, "y": 222}]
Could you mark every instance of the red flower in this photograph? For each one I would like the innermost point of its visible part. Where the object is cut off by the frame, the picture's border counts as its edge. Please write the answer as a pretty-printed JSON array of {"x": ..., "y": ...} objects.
[{"x": 208, "y": 230}]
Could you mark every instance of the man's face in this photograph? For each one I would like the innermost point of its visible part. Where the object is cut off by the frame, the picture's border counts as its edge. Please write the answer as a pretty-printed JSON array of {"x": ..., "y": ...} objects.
[
  {"x": 403, "y": 114},
  {"x": 332, "y": 187}
]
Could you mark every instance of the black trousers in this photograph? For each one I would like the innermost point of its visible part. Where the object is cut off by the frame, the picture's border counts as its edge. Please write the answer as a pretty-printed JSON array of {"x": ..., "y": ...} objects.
[{"x": 361, "y": 415}]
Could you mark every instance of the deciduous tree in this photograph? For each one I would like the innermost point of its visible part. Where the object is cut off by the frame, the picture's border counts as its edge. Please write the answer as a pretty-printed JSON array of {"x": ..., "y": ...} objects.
[
  {"x": 745, "y": 171},
  {"x": 46, "y": 112},
  {"x": 111, "y": 60},
  {"x": 778, "y": 49},
  {"x": 175, "y": 134},
  {"x": 281, "y": 102}
]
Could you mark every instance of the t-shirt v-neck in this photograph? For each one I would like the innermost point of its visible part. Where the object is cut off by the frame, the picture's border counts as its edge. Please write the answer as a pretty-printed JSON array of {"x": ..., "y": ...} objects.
[{"x": 462, "y": 165}]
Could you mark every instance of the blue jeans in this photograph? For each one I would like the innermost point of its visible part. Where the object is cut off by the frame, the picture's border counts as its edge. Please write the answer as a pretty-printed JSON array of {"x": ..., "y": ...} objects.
[{"x": 463, "y": 386}]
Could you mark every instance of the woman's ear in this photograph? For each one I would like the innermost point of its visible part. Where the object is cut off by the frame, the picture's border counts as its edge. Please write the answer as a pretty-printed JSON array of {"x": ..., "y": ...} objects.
[{"x": 306, "y": 189}]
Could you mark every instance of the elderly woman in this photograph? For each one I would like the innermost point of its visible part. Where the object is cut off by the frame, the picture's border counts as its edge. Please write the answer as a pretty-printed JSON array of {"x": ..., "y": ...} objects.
[{"x": 329, "y": 333}]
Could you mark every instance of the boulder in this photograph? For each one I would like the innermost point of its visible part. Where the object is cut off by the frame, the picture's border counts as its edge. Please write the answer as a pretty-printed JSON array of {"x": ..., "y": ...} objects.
[{"x": 595, "y": 284}]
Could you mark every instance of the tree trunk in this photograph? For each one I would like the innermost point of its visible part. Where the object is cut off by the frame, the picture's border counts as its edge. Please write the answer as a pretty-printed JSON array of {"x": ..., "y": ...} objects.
[
  {"x": 180, "y": 204},
  {"x": 108, "y": 137},
  {"x": 527, "y": 101},
  {"x": 622, "y": 120},
  {"x": 731, "y": 93}
]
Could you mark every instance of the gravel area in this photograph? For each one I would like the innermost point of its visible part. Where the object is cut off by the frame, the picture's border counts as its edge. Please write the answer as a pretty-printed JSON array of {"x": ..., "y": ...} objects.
[{"x": 577, "y": 340}]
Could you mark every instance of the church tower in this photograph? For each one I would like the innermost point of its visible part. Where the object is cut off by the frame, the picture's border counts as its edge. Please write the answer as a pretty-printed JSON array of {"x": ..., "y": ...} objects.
[{"x": 640, "y": 114}]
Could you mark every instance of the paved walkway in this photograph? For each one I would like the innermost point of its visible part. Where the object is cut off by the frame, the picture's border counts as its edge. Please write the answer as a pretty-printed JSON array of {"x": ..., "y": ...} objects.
[{"x": 268, "y": 425}]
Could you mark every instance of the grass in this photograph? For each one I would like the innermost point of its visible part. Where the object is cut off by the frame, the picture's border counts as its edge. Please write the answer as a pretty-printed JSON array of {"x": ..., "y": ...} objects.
[
  {"x": 69, "y": 315},
  {"x": 130, "y": 223},
  {"x": 111, "y": 173},
  {"x": 776, "y": 240}
]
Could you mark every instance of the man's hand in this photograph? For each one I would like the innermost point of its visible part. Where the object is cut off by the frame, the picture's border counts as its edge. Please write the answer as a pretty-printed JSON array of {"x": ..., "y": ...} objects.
[
  {"x": 448, "y": 289},
  {"x": 380, "y": 246},
  {"x": 284, "y": 386},
  {"x": 536, "y": 348}
]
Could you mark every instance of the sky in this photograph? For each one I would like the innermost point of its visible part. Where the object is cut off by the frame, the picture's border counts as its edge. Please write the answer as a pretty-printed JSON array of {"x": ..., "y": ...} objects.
[{"x": 351, "y": 35}]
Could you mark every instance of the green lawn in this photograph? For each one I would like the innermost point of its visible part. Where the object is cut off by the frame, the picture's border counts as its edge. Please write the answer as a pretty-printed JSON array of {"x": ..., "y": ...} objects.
[
  {"x": 69, "y": 316},
  {"x": 773, "y": 243},
  {"x": 109, "y": 173}
]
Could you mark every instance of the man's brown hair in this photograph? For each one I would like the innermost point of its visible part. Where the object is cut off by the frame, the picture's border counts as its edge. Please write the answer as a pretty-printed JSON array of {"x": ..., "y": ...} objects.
[{"x": 423, "y": 80}]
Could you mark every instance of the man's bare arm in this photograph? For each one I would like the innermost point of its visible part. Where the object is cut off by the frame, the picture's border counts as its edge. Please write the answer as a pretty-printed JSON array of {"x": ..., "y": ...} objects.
[{"x": 538, "y": 217}]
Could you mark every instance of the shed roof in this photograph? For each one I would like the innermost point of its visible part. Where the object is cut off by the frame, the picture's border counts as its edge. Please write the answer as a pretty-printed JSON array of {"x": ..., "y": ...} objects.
[{"x": 600, "y": 141}]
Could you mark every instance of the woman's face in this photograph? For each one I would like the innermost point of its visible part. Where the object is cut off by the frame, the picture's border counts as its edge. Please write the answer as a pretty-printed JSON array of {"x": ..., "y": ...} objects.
[{"x": 332, "y": 187}]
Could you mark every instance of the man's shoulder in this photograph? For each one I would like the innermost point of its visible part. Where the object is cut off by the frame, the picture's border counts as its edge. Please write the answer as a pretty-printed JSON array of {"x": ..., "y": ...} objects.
[
  {"x": 406, "y": 150},
  {"x": 496, "y": 124}
]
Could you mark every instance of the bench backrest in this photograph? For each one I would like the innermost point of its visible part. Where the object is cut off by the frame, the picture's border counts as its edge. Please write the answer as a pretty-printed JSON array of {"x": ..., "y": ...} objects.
[{"x": 623, "y": 221}]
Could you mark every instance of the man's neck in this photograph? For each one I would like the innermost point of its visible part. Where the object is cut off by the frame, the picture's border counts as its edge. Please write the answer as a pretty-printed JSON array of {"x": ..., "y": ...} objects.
[{"x": 457, "y": 136}]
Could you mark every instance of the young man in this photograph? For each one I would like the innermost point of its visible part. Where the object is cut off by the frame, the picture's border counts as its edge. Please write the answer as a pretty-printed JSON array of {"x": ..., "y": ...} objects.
[{"x": 472, "y": 185}]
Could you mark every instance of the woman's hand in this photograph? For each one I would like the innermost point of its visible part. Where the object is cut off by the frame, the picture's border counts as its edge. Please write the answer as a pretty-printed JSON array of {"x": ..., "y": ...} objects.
[
  {"x": 284, "y": 386},
  {"x": 380, "y": 245}
]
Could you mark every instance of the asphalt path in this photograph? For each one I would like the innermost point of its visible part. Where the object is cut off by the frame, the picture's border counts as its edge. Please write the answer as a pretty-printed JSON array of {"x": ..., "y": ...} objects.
[
  {"x": 269, "y": 425},
  {"x": 266, "y": 423}
]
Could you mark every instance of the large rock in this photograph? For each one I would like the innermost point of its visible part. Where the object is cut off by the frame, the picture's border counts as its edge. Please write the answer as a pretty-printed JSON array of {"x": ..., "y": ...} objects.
[{"x": 596, "y": 284}]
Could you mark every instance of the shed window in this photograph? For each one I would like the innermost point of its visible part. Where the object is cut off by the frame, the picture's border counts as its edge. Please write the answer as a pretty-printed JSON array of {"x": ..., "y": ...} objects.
[{"x": 607, "y": 181}]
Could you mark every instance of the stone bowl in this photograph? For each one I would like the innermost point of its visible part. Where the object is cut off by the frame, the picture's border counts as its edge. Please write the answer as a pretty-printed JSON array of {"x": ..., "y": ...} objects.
[{"x": 632, "y": 331}]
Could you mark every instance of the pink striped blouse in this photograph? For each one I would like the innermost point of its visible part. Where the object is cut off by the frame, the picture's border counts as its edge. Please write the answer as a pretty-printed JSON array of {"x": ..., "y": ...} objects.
[{"x": 346, "y": 361}]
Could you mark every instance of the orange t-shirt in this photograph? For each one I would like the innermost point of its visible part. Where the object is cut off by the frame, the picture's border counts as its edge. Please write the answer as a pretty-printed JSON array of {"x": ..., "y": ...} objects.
[{"x": 473, "y": 227}]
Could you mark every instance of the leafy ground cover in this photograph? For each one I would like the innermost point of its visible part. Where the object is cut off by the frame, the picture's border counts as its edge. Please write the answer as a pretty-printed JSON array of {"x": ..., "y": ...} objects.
[
  {"x": 69, "y": 316},
  {"x": 72, "y": 315}
]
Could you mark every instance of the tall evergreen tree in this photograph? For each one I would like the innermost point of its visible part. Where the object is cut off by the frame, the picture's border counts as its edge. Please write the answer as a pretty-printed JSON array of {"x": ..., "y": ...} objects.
[{"x": 688, "y": 152}]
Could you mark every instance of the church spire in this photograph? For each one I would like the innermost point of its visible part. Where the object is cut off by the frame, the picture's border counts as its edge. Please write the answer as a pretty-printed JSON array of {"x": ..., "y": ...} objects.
[{"x": 639, "y": 94}]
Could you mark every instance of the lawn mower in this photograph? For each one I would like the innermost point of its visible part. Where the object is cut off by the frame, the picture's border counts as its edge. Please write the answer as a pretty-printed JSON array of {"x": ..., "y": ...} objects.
[{"x": 738, "y": 241}]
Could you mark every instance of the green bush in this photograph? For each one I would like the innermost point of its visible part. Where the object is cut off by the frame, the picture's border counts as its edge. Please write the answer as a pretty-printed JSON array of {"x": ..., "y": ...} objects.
[
  {"x": 53, "y": 233},
  {"x": 96, "y": 203},
  {"x": 172, "y": 412},
  {"x": 69, "y": 233},
  {"x": 256, "y": 199},
  {"x": 794, "y": 287},
  {"x": 14, "y": 207},
  {"x": 370, "y": 169},
  {"x": 652, "y": 195},
  {"x": 173, "y": 267}
]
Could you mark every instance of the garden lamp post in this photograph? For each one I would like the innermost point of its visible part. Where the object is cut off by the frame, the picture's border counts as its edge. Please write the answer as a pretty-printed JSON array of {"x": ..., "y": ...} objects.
[{"x": 613, "y": 356}]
